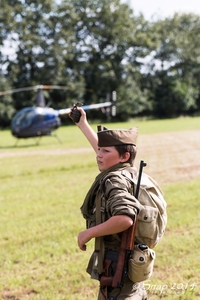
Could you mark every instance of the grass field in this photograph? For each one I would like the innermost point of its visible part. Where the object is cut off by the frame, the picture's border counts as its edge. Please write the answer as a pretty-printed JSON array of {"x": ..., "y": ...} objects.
[{"x": 42, "y": 188}]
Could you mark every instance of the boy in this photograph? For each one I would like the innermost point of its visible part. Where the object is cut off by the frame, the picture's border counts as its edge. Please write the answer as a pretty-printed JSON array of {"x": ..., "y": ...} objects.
[{"x": 115, "y": 151}]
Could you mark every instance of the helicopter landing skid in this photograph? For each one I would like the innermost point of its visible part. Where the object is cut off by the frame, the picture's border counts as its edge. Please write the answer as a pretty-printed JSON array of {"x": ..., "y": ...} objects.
[
  {"x": 38, "y": 139},
  {"x": 56, "y": 136},
  {"x": 53, "y": 135}
]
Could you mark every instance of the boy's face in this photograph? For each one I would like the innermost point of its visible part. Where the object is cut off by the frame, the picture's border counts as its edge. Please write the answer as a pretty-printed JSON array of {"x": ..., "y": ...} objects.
[{"x": 107, "y": 157}]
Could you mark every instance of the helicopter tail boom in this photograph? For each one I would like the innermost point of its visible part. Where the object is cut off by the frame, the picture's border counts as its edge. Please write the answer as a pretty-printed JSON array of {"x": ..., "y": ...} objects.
[
  {"x": 86, "y": 107},
  {"x": 111, "y": 103}
]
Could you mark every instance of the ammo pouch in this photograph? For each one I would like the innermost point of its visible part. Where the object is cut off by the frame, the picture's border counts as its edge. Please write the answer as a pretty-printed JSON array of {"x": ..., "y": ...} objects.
[{"x": 140, "y": 265}]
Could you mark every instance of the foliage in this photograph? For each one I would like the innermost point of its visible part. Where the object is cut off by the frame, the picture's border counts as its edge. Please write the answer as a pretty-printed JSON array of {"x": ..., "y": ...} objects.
[
  {"x": 174, "y": 66},
  {"x": 95, "y": 47},
  {"x": 6, "y": 104}
]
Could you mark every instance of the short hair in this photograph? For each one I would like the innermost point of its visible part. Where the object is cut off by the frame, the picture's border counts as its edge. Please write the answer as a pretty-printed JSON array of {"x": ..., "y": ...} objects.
[{"x": 122, "y": 149}]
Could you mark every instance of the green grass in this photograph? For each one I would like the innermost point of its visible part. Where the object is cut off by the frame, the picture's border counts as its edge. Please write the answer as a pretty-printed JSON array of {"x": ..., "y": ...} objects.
[
  {"x": 70, "y": 135},
  {"x": 40, "y": 198},
  {"x": 178, "y": 260}
]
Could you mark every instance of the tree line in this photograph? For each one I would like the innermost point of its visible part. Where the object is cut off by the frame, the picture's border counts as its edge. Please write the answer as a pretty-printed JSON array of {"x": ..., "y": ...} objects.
[{"x": 94, "y": 47}]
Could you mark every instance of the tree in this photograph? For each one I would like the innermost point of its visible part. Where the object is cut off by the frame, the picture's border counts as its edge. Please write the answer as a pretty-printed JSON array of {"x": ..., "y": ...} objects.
[
  {"x": 6, "y": 103},
  {"x": 84, "y": 45},
  {"x": 93, "y": 47},
  {"x": 110, "y": 39},
  {"x": 175, "y": 66},
  {"x": 44, "y": 47}
]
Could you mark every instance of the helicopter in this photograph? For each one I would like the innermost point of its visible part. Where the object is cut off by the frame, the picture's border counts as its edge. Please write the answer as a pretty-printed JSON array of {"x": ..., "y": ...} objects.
[{"x": 40, "y": 120}]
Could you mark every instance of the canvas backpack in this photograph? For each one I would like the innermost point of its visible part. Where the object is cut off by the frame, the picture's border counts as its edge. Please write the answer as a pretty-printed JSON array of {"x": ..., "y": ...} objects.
[
  {"x": 152, "y": 218},
  {"x": 150, "y": 225}
]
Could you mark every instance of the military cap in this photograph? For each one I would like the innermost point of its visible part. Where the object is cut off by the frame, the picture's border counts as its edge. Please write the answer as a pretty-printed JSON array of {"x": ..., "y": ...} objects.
[{"x": 108, "y": 137}]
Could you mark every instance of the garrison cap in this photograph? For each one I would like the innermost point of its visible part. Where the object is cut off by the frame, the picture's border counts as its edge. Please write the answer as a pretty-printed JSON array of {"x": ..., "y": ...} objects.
[{"x": 108, "y": 137}]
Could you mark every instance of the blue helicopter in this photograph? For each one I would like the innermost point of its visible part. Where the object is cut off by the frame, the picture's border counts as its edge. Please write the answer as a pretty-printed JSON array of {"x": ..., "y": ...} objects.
[{"x": 40, "y": 120}]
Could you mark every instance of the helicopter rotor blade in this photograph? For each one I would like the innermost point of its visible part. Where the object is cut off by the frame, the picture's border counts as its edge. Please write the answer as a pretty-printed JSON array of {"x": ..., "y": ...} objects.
[
  {"x": 17, "y": 90},
  {"x": 65, "y": 111},
  {"x": 40, "y": 99},
  {"x": 98, "y": 105},
  {"x": 58, "y": 87},
  {"x": 36, "y": 87},
  {"x": 111, "y": 103}
]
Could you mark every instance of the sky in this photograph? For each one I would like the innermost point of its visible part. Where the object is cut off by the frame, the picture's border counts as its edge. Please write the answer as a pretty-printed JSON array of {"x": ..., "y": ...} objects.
[{"x": 161, "y": 8}]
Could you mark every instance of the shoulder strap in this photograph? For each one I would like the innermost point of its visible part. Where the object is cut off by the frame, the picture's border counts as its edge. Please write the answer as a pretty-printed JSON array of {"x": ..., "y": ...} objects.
[
  {"x": 99, "y": 244},
  {"x": 129, "y": 176}
]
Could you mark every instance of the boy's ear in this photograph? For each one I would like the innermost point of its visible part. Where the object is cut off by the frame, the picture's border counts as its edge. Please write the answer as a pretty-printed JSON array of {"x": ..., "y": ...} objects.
[{"x": 125, "y": 157}]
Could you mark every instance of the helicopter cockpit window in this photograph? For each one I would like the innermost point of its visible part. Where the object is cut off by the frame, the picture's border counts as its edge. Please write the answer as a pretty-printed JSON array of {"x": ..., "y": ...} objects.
[
  {"x": 49, "y": 116},
  {"x": 24, "y": 118},
  {"x": 39, "y": 119}
]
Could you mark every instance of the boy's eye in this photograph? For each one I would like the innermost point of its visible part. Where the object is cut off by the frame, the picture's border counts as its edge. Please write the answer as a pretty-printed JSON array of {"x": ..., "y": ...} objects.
[{"x": 105, "y": 150}]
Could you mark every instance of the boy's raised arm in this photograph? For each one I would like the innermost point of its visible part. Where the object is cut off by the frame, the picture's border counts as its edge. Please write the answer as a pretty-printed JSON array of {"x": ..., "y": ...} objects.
[{"x": 87, "y": 130}]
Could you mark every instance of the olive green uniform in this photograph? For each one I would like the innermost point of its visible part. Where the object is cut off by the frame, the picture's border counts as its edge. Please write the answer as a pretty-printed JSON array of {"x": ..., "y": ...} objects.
[{"x": 110, "y": 196}]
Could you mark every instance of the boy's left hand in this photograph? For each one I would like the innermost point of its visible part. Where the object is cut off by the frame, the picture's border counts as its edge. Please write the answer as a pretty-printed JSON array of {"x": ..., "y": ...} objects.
[{"x": 82, "y": 240}]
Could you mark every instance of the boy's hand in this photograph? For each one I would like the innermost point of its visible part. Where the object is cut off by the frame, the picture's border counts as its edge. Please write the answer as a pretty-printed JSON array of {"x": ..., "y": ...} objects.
[
  {"x": 82, "y": 240},
  {"x": 77, "y": 115}
]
